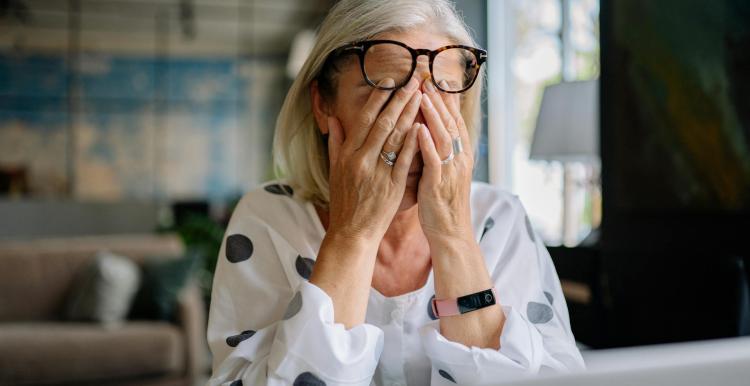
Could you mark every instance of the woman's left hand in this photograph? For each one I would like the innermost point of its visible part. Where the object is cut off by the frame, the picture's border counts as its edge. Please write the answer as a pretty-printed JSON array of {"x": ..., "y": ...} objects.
[{"x": 444, "y": 189}]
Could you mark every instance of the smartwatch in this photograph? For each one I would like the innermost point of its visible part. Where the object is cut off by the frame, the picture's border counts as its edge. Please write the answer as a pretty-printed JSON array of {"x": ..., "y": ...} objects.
[{"x": 464, "y": 304}]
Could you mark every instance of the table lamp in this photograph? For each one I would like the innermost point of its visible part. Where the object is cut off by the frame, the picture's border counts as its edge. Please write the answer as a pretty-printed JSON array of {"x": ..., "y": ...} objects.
[{"x": 567, "y": 130}]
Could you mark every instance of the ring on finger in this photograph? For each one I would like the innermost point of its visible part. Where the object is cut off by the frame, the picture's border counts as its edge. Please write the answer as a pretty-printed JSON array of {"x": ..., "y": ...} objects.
[
  {"x": 457, "y": 149},
  {"x": 458, "y": 146},
  {"x": 447, "y": 159},
  {"x": 389, "y": 157}
]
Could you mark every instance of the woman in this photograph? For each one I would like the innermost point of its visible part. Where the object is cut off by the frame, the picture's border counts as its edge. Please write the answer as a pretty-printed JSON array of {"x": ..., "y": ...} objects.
[{"x": 377, "y": 138}]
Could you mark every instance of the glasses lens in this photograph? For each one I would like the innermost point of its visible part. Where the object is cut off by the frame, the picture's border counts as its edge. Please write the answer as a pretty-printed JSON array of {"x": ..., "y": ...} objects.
[
  {"x": 387, "y": 60},
  {"x": 454, "y": 69}
]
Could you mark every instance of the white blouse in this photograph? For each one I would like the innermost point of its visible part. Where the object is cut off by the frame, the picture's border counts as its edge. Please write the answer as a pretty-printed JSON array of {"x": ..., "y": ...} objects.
[{"x": 269, "y": 326}]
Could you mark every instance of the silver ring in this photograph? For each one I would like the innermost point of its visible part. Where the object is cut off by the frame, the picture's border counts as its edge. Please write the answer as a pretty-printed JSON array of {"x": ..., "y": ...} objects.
[
  {"x": 458, "y": 146},
  {"x": 448, "y": 159},
  {"x": 389, "y": 157}
]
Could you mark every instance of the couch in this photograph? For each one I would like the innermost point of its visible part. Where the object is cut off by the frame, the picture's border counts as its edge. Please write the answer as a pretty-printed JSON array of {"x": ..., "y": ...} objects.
[{"x": 37, "y": 346}]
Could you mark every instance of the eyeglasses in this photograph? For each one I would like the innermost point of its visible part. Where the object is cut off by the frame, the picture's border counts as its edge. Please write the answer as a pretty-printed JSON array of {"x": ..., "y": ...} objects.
[{"x": 453, "y": 68}]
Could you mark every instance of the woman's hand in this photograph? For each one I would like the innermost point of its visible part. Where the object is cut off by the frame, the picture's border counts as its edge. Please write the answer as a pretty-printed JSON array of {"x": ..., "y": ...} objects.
[
  {"x": 365, "y": 193},
  {"x": 445, "y": 215},
  {"x": 444, "y": 190}
]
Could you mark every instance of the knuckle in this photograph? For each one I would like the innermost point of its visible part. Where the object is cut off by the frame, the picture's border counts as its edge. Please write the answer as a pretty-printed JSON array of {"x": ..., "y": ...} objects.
[
  {"x": 395, "y": 140},
  {"x": 459, "y": 122},
  {"x": 385, "y": 123},
  {"x": 368, "y": 118},
  {"x": 359, "y": 165},
  {"x": 450, "y": 124},
  {"x": 403, "y": 94}
]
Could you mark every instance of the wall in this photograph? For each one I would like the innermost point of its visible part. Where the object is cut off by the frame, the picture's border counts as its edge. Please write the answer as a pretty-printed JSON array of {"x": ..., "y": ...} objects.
[{"x": 140, "y": 127}]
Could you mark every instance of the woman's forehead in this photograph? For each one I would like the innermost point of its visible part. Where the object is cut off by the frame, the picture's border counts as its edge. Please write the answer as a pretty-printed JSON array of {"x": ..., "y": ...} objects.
[{"x": 418, "y": 37}]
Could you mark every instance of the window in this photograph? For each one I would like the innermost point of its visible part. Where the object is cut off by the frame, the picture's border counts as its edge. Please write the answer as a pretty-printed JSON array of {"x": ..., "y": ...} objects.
[{"x": 534, "y": 43}]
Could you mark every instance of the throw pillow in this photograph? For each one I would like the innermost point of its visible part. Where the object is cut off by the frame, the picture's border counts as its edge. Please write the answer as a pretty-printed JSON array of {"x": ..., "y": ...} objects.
[
  {"x": 104, "y": 291},
  {"x": 162, "y": 281}
]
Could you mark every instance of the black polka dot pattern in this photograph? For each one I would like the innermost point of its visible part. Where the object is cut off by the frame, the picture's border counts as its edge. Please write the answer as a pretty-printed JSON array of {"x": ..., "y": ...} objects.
[
  {"x": 445, "y": 375},
  {"x": 538, "y": 313},
  {"x": 304, "y": 266},
  {"x": 281, "y": 189},
  {"x": 234, "y": 340},
  {"x": 308, "y": 379},
  {"x": 487, "y": 226},
  {"x": 549, "y": 297},
  {"x": 530, "y": 230},
  {"x": 238, "y": 248},
  {"x": 294, "y": 306},
  {"x": 236, "y": 383},
  {"x": 429, "y": 309}
]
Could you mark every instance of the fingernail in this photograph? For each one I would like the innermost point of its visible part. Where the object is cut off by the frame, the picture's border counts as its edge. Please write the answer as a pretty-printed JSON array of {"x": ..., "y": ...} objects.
[
  {"x": 428, "y": 85},
  {"x": 443, "y": 84},
  {"x": 387, "y": 82},
  {"x": 412, "y": 85}
]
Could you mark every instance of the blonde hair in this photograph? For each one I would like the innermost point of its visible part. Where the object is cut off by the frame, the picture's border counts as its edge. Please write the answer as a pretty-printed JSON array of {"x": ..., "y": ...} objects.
[{"x": 300, "y": 153}]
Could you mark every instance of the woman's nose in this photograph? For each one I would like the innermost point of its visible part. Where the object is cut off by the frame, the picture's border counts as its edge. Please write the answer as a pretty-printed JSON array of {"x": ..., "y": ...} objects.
[{"x": 422, "y": 70}]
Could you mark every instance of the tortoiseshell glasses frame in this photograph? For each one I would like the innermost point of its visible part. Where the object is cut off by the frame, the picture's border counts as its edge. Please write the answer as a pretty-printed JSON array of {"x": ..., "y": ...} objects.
[{"x": 360, "y": 49}]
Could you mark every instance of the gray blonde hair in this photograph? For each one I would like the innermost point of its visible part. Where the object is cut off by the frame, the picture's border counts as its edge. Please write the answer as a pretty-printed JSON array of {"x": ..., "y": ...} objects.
[{"x": 300, "y": 154}]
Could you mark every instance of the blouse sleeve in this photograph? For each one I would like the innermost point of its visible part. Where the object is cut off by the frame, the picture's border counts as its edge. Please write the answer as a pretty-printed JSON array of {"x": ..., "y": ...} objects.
[
  {"x": 268, "y": 327},
  {"x": 536, "y": 337}
]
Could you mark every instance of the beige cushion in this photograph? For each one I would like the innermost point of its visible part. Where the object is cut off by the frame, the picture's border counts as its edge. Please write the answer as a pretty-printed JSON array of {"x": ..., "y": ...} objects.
[
  {"x": 104, "y": 291},
  {"x": 37, "y": 275},
  {"x": 73, "y": 352}
]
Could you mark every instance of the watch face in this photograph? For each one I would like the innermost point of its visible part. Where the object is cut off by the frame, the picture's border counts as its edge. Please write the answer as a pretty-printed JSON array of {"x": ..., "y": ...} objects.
[{"x": 475, "y": 301}]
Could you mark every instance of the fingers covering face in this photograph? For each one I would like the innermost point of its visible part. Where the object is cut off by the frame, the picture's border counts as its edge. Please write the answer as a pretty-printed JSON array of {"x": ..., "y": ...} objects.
[
  {"x": 335, "y": 135},
  {"x": 388, "y": 118},
  {"x": 404, "y": 124},
  {"x": 403, "y": 163},
  {"x": 453, "y": 105},
  {"x": 434, "y": 121},
  {"x": 369, "y": 114},
  {"x": 432, "y": 166}
]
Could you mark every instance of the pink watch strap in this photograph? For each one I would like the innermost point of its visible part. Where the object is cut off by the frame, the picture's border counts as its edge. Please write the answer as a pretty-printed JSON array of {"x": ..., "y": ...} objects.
[
  {"x": 444, "y": 307},
  {"x": 449, "y": 307}
]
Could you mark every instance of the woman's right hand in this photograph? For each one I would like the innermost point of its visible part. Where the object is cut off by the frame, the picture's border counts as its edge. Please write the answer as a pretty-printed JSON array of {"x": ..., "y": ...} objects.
[{"x": 365, "y": 192}]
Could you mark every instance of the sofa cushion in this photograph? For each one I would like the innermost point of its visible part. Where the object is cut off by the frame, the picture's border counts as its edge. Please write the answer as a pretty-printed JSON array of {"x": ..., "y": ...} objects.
[
  {"x": 78, "y": 352},
  {"x": 104, "y": 291},
  {"x": 162, "y": 281},
  {"x": 37, "y": 274}
]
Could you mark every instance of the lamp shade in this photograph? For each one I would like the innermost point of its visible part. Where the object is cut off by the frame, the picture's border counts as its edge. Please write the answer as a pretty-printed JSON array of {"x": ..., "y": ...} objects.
[{"x": 567, "y": 128}]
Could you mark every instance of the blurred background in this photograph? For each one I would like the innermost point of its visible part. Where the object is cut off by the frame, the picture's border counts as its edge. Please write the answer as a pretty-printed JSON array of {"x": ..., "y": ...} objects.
[{"x": 129, "y": 130}]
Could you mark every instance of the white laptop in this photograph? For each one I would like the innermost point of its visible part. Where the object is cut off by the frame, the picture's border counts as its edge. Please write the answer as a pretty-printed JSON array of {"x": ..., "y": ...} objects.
[{"x": 722, "y": 362}]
